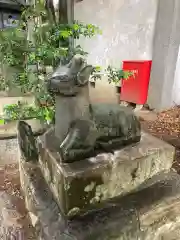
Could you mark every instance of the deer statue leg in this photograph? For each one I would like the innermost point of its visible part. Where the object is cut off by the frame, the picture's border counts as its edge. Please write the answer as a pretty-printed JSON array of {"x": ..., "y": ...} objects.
[{"x": 79, "y": 142}]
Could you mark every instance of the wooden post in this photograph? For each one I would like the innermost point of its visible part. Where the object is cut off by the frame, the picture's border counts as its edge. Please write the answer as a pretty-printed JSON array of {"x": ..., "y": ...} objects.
[
  {"x": 66, "y": 15},
  {"x": 66, "y": 11}
]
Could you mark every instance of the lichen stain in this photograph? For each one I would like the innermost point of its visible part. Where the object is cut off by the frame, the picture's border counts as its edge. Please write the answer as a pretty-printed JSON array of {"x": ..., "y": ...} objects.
[
  {"x": 90, "y": 187},
  {"x": 95, "y": 200},
  {"x": 74, "y": 211},
  {"x": 67, "y": 186},
  {"x": 102, "y": 191}
]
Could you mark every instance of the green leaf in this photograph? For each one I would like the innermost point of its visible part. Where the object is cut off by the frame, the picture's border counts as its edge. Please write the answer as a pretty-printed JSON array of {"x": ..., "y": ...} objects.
[
  {"x": 65, "y": 34},
  {"x": 76, "y": 27},
  {"x": 2, "y": 122}
]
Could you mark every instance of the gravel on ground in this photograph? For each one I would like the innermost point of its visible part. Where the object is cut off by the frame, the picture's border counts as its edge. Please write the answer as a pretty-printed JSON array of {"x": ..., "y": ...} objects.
[{"x": 167, "y": 128}]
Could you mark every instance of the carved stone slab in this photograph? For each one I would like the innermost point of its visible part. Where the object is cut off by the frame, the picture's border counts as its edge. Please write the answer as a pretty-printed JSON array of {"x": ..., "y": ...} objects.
[{"x": 82, "y": 185}]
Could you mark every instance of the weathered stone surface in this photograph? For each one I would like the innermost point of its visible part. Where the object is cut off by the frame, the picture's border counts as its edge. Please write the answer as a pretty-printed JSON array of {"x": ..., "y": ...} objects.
[
  {"x": 27, "y": 142},
  {"x": 153, "y": 212},
  {"x": 109, "y": 128},
  {"x": 65, "y": 115},
  {"x": 67, "y": 79},
  {"x": 43, "y": 210},
  {"x": 79, "y": 185},
  {"x": 156, "y": 209}
]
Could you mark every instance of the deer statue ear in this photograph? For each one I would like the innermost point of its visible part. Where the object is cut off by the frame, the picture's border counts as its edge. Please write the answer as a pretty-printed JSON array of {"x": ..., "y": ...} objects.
[
  {"x": 84, "y": 75},
  {"x": 76, "y": 64}
]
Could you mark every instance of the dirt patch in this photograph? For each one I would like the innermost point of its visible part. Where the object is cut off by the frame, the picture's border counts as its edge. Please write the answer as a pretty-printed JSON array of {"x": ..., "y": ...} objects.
[
  {"x": 10, "y": 184},
  {"x": 167, "y": 128},
  {"x": 9, "y": 180}
]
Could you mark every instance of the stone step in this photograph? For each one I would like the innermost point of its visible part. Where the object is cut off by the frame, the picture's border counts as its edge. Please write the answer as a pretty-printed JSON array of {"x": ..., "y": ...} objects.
[
  {"x": 150, "y": 212},
  {"x": 77, "y": 186}
]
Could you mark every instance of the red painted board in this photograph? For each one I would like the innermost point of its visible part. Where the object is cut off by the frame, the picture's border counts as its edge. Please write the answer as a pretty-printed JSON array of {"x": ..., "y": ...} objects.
[{"x": 135, "y": 88}]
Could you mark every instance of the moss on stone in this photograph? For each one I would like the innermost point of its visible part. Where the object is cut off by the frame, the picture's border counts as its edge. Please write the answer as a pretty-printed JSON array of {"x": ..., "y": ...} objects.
[
  {"x": 90, "y": 187},
  {"x": 73, "y": 211}
]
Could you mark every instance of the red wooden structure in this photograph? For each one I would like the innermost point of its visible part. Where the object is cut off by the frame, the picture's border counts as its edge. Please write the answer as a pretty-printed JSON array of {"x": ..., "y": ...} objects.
[{"x": 135, "y": 88}]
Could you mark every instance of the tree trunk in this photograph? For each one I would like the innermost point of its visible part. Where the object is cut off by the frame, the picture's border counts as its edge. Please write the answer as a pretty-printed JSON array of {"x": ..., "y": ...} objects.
[{"x": 49, "y": 5}]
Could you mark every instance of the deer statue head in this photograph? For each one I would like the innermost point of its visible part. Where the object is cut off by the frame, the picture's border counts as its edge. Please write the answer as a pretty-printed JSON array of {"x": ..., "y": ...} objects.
[{"x": 69, "y": 79}]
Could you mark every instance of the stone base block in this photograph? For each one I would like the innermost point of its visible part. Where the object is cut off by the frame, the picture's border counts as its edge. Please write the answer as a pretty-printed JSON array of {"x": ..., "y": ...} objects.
[
  {"x": 152, "y": 212},
  {"x": 81, "y": 185},
  {"x": 43, "y": 210}
]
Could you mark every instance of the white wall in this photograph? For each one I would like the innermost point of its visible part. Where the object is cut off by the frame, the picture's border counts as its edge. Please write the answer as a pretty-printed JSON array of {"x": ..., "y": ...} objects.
[
  {"x": 165, "y": 75},
  {"x": 127, "y": 26},
  {"x": 176, "y": 87}
]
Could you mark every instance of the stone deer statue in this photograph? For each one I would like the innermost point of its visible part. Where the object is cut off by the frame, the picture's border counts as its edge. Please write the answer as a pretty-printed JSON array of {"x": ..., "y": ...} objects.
[{"x": 84, "y": 129}]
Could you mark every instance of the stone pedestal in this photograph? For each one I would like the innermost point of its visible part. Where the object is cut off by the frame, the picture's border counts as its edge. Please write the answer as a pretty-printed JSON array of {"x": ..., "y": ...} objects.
[
  {"x": 82, "y": 185},
  {"x": 152, "y": 212}
]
